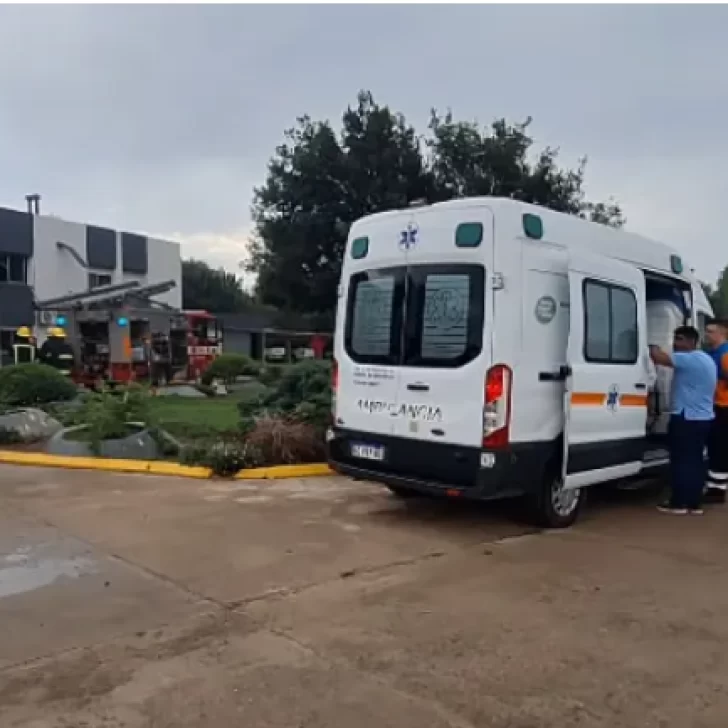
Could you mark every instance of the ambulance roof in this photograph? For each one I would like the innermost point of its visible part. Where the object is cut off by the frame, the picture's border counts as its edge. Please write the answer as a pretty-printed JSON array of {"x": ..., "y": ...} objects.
[{"x": 563, "y": 230}]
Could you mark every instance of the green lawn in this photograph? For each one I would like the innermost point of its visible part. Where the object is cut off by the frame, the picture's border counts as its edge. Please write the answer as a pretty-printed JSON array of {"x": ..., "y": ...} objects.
[{"x": 193, "y": 418}]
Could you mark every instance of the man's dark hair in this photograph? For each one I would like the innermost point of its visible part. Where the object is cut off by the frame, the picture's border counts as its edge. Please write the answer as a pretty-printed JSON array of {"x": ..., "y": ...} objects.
[
  {"x": 688, "y": 332},
  {"x": 723, "y": 323}
]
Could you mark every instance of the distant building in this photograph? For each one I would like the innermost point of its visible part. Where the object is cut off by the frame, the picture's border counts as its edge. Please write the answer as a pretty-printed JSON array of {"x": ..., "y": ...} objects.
[
  {"x": 43, "y": 257},
  {"x": 272, "y": 335}
]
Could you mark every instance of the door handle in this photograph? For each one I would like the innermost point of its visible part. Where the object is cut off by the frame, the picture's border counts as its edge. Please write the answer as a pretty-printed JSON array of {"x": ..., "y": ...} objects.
[
  {"x": 640, "y": 385},
  {"x": 418, "y": 387},
  {"x": 561, "y": 375}
]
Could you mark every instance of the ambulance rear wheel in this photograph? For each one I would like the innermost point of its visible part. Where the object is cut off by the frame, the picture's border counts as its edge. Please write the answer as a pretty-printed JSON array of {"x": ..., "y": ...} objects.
[
  {"x": 555, "y": 506},
  {"x": 403, "y": 493}
]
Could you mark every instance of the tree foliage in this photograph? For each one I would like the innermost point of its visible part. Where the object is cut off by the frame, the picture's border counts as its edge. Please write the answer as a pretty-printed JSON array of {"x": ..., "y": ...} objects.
[
  {"x": 319, "y": 181},
  {"x": 205, "y": 288},
  {"x": 718, "y": 295}
]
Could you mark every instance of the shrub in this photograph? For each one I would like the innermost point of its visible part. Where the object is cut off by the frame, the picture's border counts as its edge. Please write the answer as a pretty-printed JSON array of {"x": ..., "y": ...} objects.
[
  {"x": 270, "y": 374},
  {"x": 281, "y": 440},
  {"x": 228, "y": 367},
  {"x": 302, "y": 392},
  {"x": 64, "y": 412},
  {"x": 106, "y": 414},
  {"x": 25, "y": 385},
  {"x": 206, "y": 389},
  {"x": 224, "y": 458},
  {"x": 271, "y": 440}
]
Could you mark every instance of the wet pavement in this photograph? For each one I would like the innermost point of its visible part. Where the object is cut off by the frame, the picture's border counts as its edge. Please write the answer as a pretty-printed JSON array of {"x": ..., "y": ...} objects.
[{"x": 143, "y": 602}]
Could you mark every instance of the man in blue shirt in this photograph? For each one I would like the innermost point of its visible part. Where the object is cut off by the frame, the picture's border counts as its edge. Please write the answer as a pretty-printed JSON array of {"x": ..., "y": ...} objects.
[{"x": 693, "y": 392}]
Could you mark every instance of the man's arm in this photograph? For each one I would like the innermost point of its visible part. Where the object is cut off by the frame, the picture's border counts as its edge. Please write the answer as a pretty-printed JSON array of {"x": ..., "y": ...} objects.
[{"x": 661, "y": 358}]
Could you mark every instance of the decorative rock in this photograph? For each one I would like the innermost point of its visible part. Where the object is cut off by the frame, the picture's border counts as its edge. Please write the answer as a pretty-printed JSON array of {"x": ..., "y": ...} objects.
[
  {"x": 139, "y": 445},
  {"x": 30, "y": 424}
]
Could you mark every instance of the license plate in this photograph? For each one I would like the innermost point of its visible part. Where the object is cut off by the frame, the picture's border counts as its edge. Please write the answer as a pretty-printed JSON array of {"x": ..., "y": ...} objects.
[{"x": 367, "y": 452}]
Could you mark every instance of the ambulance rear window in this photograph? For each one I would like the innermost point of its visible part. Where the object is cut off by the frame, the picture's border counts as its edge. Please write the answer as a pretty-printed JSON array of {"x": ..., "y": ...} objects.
[
  {"x": 373, "y": 316},
  {"x": 420, "y": 316},
  {"x": 444, "y": 319}
]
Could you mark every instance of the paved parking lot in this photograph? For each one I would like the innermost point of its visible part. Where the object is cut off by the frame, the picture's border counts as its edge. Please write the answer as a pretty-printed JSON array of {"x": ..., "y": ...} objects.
[{"x": 143, "y": 602}]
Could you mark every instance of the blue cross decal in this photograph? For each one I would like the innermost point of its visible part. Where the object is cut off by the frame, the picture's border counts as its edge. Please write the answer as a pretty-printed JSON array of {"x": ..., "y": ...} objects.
[
  {"x": 613, "y": 398},
  {"x": 408, "y": 236}
]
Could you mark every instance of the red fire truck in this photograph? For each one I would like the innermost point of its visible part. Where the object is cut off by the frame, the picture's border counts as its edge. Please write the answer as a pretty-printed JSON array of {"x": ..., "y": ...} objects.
[
  {"x": 204, "y": 342},
  {"x": 181, "y": 353}
]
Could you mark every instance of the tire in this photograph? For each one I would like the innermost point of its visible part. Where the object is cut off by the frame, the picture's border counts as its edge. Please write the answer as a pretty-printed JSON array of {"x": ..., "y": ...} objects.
[{"x": 554, "y": 507}]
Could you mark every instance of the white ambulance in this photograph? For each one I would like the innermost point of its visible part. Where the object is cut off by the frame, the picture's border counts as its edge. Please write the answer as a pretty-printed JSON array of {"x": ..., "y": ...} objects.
[{"x": 487, "y": 348}]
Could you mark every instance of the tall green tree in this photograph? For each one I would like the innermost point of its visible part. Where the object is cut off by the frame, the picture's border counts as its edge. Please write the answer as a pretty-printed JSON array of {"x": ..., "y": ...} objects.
[
  {"x": 321, "y": 180},
  {"x": 718, "y": 294},
  {"x": 467, "y": 160},
  {"x": 318, "y": 184},
  {"x": 213, "y": 290}
]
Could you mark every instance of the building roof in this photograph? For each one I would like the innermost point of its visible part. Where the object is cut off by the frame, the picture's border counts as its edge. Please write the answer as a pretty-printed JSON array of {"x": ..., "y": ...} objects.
[{"x": 268, "y": 319}]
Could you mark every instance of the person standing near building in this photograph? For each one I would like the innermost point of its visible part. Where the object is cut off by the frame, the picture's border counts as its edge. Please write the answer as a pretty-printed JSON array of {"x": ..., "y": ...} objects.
[
  {"x": 693, "y": 391},
  {"x": 57, "y": 352},
  {"x": 24, "y": 346},
  {"x": 716, "y": 334}
]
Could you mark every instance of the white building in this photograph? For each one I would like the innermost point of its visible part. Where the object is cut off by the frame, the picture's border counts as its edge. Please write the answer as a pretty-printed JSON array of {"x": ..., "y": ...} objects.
[{"x": 44, "y": 257}]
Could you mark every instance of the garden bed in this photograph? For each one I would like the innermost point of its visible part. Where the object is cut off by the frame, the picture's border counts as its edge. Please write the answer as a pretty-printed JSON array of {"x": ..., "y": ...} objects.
[{"x": 278, "y": 418}]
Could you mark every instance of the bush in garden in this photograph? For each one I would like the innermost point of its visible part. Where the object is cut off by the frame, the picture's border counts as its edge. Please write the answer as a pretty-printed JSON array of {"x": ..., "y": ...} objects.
[
  {"x": 271, "y": 440},
  {"x": 281, "y": 440},
  {"x": 64, "y": 412},
  {"x": 206, "y": 389},
  {"x": 270, "y": 374},
  {"x": 228, "y": 367},
  {"x": 26, "y": 385},
  {"x": 224, "y": 458},
  {"x": 106, "y": 415},
  {"x": 302, "y": 392}
]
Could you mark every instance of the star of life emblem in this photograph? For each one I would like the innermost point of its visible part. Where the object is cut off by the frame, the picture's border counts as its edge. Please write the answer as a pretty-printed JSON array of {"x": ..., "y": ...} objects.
[
  {"x": 408, "y": 236},
  {"x": 613, "y": 398}
]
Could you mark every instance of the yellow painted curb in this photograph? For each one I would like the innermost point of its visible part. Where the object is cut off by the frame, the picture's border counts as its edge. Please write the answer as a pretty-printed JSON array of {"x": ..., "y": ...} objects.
[
  {"x": 40, "y": 459},
  {"x": 151, "y": 467},
  {"x": 278, "y": 472}
]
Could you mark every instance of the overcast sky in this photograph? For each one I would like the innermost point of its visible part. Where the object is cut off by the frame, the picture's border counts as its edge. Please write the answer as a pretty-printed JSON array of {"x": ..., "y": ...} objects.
[{"x": 161, "y": 119}]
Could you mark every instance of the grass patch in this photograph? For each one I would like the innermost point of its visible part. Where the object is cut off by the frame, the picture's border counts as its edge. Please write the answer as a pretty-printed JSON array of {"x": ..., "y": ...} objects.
[{"x": 188, "y": 418}]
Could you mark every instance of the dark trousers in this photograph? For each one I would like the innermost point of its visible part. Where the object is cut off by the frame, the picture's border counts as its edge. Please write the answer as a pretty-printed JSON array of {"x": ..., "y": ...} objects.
[
  {"x": 688, "y": 439},
  {"x": 718, "y": 451}
]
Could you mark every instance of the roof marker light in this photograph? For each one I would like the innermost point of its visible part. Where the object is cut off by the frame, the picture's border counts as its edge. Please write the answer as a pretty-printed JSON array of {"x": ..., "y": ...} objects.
[
  {"x": 469, "y": 234},
  {"x": 359, "y": 248},
  {"x": 532, "y": 226}
]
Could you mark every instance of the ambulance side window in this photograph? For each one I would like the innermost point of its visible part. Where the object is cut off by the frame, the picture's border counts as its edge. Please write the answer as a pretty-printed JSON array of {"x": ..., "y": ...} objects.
[{"x": 611, "y": 333}]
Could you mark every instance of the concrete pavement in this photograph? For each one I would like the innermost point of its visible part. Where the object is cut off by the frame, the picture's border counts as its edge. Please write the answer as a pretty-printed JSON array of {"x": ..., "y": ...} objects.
[{"x": 145, "y": 602}]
